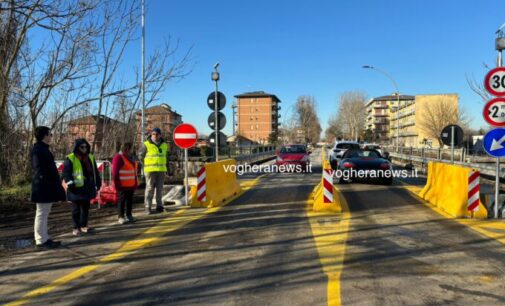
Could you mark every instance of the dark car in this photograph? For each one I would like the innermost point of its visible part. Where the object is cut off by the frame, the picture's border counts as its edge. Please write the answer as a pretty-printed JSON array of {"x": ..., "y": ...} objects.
[
  {"x": 293, "y": 155},
  {"x": 338, "y": 151},
  {"x": 369, "y": 165}
]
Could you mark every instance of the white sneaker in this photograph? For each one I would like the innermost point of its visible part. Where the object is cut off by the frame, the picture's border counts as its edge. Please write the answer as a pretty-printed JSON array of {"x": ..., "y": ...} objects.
[{"x": 122, "y": 221}]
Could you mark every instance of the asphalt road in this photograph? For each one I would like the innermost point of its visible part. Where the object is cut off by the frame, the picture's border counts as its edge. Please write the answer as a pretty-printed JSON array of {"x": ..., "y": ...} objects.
[
  {"x": 259, "y": 250},
  {"x": 400, "y": 252}
]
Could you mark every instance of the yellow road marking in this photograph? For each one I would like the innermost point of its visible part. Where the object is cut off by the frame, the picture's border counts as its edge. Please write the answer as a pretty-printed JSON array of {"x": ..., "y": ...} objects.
[
  {"x": 330, "y": 238},
  {"x": 148, "y": 238},
  {"x": 484, "y": 227}
]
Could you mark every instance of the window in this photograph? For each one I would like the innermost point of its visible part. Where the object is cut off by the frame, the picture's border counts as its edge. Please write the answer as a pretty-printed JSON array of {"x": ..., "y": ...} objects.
[{"x": 252, "y": 127}]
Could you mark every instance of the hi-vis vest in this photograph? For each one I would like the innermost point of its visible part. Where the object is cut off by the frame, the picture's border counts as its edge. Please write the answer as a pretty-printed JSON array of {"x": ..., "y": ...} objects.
[
  {"x": 127, "y": 173},
  {"x": 77, "y": 169},
  {"x": 156, "y": 157}
]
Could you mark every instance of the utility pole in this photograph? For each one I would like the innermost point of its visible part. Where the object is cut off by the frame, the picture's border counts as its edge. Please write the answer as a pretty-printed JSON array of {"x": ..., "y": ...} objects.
[{"x": 142, "y": 86}]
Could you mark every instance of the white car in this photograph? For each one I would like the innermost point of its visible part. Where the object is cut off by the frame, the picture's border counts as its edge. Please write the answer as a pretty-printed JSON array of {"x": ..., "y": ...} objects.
[{"x": 338, "y": 151}]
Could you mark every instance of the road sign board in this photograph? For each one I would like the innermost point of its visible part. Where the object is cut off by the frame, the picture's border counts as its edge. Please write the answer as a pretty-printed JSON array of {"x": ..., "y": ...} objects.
[
  {"x": 221, "y": 119},
  {"x": 494, "y": 112},
  {"x": 446, "y": 135},
  {"x": 221, "y": 100},
  {"x": 221, "y": 139},
  {"x": 185, "y": 136},
  {"x": 494, "y": 142},
  {"x": 495, "y": 81}
]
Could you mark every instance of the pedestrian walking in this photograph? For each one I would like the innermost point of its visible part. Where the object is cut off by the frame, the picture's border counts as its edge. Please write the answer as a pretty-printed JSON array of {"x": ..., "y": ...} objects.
[
  {"x": 83, "y": 181},
  {"x": 124, "y": 174},
  {"x": 153, "y": 155},
  {"x": 46, "y": 186}
]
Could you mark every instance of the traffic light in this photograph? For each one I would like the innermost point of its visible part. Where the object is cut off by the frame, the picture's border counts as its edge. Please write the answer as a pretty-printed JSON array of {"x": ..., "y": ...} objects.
[{"x": 216, "y": 106}]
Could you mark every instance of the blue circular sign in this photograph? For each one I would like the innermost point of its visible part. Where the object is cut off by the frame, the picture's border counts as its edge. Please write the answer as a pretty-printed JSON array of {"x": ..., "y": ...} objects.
[{"x": 494, "y": 142}]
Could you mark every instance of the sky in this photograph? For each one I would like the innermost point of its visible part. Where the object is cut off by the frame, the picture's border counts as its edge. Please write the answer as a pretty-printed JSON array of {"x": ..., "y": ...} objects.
[{"x": 318, "y": 48}]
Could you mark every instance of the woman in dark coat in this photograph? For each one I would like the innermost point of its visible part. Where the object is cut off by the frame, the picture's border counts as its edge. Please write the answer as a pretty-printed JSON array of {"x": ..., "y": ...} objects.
[
  {"x": 46, "y": 186},
  {"x": 83, "y": 181}
]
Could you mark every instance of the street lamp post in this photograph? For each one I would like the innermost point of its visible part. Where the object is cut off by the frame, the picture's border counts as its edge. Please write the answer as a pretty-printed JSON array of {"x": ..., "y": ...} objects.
[
  {"x": 215, "y": 78},
  {"x": 397, "y": 100}
]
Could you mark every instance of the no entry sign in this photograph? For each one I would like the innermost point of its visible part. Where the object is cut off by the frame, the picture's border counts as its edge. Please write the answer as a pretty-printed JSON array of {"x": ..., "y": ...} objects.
[
  {"x": 495, "y": 81},
  {"x": 494, "y": 112},
  {"x": 185, "y": 136}
]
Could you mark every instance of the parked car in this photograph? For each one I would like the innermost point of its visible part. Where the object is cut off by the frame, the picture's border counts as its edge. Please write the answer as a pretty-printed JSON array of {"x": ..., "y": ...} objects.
[
  {"x": 371, "y": 160},
  {"x": 338, "y": 151},
  {"x": 293, "y": 154}
]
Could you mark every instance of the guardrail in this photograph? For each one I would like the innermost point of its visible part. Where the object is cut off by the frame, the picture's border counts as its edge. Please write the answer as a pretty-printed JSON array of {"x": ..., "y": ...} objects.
[{"x": 485, "y": 169}]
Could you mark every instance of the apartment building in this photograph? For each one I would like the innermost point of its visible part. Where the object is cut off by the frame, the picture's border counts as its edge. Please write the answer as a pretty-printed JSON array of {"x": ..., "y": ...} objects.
[
  {"x": 257, "y": 115},
  {"x": 412, "y": 117},
  {"x": 378, "y": 113},
  {"x": 161, "y": 116},
  {"x": 96, "y": 130}
]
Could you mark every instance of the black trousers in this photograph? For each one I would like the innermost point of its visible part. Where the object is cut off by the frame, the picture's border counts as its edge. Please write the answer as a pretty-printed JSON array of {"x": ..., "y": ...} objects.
[
  {"x": 125, "y": 203},
  {"x": 80, "y": 212}
]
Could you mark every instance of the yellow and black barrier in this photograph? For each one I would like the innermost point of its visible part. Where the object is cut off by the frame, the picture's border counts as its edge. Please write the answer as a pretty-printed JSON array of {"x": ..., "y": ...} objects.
[
  {"x": 220, "y": 184},
  {"x": 447, "y": 189}
]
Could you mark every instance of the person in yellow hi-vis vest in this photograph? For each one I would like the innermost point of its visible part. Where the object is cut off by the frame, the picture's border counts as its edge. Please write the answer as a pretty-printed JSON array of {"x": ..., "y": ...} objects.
[
  {"x": 83, "y": 181},
  {"x": 154, "y": 157}
]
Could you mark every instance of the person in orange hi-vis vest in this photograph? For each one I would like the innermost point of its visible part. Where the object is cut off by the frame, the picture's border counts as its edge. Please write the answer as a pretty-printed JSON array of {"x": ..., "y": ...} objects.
[{"x": 124, "y": 174}]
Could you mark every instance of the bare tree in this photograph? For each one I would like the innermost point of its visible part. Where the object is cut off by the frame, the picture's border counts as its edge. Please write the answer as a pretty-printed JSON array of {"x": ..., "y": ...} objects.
[
  {"x": 351, "y": 115},
  {"x": 478, "y": 87},
  {"x": 306, "y": 118},
  {"x": 440, "y": 113},
  {"x": 27, "y": 77},
  {"x": 334, "y": 129},
  {"x": 71, "y": 69}
]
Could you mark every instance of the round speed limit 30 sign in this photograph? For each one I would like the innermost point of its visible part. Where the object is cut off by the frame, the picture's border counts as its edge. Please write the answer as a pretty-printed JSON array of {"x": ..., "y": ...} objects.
[
  {"x": 495, "y": 81},
  {"x": 494, "y": 112}
]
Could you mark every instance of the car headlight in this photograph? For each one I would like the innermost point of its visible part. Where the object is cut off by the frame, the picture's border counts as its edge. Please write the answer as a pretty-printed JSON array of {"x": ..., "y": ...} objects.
[
  {"x": 279, "y": 159},
  {"x": 305, "y": 158}
]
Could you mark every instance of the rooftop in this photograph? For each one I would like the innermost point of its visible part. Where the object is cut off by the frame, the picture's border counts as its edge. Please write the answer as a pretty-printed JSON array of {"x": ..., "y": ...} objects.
[
  {"x": 258, "y": 94},
  {"x": 159, "y": 109},
  {"x": 93, "y": 119}
]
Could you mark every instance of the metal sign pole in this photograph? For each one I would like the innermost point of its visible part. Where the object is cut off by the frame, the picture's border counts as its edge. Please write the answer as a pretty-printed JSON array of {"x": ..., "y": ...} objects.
[
  {"x": 186, "y": 176},
  {"x": 216, "y": 130},
  {"x": 497, "y": 182},
  {"x": 452, "y": 144}
]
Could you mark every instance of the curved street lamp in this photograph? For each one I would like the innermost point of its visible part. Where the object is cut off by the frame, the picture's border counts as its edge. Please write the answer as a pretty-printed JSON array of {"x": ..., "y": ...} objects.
[{"x": 397, "y": 101}]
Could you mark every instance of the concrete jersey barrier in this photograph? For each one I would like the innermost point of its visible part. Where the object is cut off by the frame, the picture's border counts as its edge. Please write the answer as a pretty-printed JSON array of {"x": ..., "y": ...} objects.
[
  {"x": 447, "y": 189},
  {"x": 221, "y": 184}
]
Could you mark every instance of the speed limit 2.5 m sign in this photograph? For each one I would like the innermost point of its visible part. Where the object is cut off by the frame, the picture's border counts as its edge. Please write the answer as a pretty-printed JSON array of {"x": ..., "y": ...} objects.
[
  {"x": 495, "y": 81},
  {"x": 494, "y": 112}
]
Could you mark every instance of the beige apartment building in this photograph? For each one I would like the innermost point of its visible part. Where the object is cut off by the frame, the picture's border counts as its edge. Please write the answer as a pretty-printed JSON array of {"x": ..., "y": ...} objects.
[
  {"x": 378, "y": 113},
  {"x": 257, "y": 115},
  {"x": 412, "y": 117}
]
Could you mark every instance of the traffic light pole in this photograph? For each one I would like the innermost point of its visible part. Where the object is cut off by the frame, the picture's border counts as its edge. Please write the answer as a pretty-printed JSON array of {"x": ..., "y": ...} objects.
[
  {"x": 216, "y": 123},
  {"x": 215, "y": 78}
]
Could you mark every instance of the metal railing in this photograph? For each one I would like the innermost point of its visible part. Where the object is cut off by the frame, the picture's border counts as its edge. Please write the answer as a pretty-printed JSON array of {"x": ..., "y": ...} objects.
[{"x": 422, "y": 156}]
